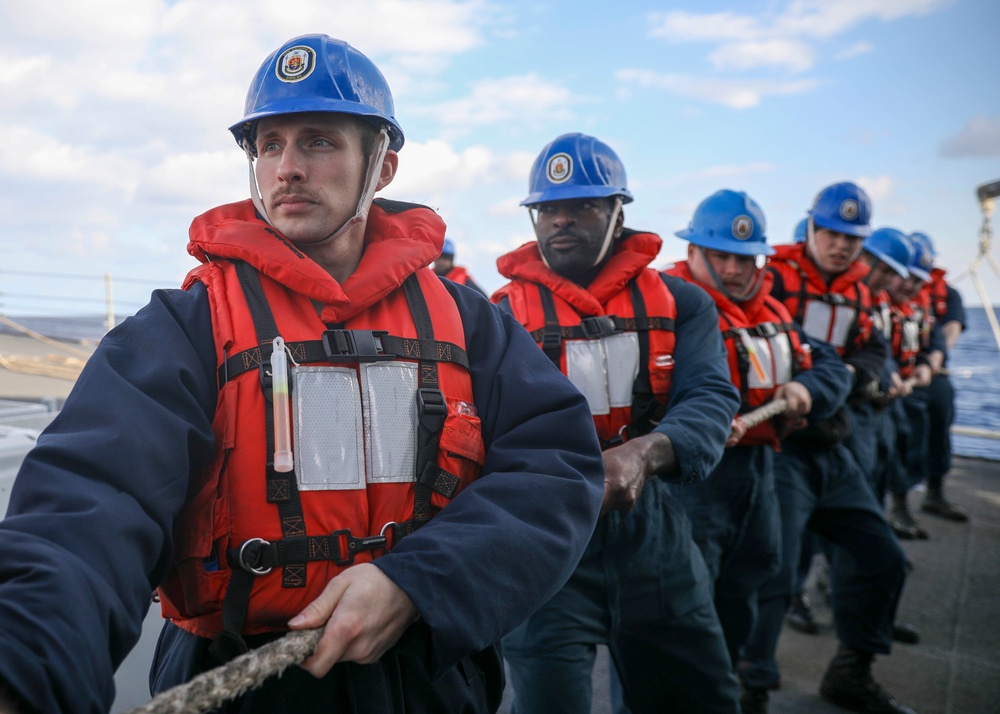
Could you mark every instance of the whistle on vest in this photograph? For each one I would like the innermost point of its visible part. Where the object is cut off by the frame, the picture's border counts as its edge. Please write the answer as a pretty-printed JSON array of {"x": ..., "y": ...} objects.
[{"x": 283, "y": 461}]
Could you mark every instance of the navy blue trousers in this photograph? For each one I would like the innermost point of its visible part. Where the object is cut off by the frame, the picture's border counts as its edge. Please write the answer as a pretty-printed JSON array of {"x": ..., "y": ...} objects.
[
  {"x": 643, "y": 590},
  {"x": 826, "y": 492}
]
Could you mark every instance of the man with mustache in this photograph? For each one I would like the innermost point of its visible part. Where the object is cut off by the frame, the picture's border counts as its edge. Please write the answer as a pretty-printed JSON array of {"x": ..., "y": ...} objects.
[
  {"x": 645, "y": 350},
  {"x": 317, "y": 432}
]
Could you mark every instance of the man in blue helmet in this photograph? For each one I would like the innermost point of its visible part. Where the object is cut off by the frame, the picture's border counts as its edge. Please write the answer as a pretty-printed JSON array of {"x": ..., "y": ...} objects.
[
  {"x": 799, "y": 235},
  {"x": 735, "y": 513},
  {"x": 445, "y": 266},
  {"x": 887, "y": 253},
  {"x": 819, "y": 483},
  {"x": 645, "y": 350},
  {"x": 945, "y": 304},
  {"x": 317, "y": 432},
  {"x": 918, "y": 347}
]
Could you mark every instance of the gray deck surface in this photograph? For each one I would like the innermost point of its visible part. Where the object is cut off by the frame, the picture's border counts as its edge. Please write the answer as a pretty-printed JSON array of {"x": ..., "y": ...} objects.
[{"x": 952, "y": 597}]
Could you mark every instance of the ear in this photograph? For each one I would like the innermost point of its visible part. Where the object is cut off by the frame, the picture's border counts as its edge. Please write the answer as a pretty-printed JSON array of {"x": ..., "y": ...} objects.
[
  {"x": 389, "y": 165},
  {"x": 690, "y": 252}
]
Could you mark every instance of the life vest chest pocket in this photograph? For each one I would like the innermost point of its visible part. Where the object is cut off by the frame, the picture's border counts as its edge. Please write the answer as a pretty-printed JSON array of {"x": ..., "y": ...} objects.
[{"x": 604, "y": 370}]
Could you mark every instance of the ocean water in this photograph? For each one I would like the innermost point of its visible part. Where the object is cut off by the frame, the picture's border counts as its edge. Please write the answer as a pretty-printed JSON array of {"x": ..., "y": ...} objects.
[
  {"x": 974, "y": 365},
  {"x": 975, "y": 371}
]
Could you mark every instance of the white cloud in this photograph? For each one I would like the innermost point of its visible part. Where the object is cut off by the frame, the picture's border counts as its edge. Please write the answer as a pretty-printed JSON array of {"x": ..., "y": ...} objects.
[
  {"x": 508, "y": 207},
  {"x": 792, "y": 55},
  {"x": 800, "y": 18},
  {"x": 434, "y": 168},
  {"x": 979, "y": 138},
  {"x": 737, "y": 94},
  {"x": 716, "y": 174},
  {"x": 855, "y": 50},
  {"x": 878, "y": 188},
  {"x": 38, "y": 159},
  {"x": 191, "y": 177},
  {"x": 524, "y": 98},
  {"x": 682, "y": 26}
]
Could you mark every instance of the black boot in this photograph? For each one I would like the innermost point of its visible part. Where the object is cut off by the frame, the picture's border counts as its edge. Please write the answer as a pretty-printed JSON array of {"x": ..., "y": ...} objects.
[
  {"x": 753, "y": 700},
  {"x": 848, "y": 683},
  {"x": 902, "y": 521},
  {"x": 800, "y": 616},
  {"x": 936, "y": 504}
]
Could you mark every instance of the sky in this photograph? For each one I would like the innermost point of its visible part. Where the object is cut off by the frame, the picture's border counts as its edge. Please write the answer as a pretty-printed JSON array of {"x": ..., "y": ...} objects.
[{"x": 114, "y": 116}]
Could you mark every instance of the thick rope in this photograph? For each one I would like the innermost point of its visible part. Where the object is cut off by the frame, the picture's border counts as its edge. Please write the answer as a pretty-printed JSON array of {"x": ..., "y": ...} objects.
[
  {"x": 763, "y": 413},
  {"x": 211, "y": 689}
]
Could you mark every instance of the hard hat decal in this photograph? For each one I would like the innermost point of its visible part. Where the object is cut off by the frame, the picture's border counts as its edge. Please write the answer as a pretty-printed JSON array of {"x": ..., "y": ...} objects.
[
  {"x": 849, "y": 210},
  {"x": 295, "y": 63},
  {"x": 559, "y": 168},
  {"x": 742, "y": 227}
]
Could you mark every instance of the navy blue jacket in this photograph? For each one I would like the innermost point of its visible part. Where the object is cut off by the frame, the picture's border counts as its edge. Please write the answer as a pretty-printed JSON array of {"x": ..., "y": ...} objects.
[
  {"x": 703, "y": 399},
  {"x": 88, "y": 532}
]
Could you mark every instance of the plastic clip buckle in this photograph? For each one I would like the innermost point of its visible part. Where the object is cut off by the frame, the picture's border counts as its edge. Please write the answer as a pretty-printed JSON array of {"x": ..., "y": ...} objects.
[
  {"x": 597, "y": 326},
  {"x": 355, "y": 346},
  {"x": 355, "y": 545}
]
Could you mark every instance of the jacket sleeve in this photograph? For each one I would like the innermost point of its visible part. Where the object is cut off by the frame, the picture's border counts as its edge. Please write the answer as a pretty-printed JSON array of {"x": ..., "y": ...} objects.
[
  {"x": 511, "y": 539},
  {"x": 89, "y": 526},
  {"x": 703, "y": 400},
  {"x": 829, "y": 381}
]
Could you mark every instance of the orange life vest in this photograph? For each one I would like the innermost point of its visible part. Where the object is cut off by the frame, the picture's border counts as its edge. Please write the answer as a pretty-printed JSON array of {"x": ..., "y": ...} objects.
[
  {"x": 938, "y": 292},
  {"x": 763, "y": 345},
  {"x": 905, "y": 338},
  {"x": 458, "y": 275},
  {"x": 882, "y": 314},
  {"x": 283, "y": 536},
  {"x": 614, "y": 339},
  {"x": 838, "y": 313}
]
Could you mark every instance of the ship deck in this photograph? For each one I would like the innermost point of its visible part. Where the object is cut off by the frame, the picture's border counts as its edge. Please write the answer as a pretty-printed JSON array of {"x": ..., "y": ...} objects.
[{"x": 952, "y": 597}]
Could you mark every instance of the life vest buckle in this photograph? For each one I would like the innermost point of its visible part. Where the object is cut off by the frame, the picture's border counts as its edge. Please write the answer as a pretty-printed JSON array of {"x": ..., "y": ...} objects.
[
  {"x": 355, "y": 346},
  {"x": 431, "y": 408},
  {"x": 766, "y": 329},
  {"x": 356, "y": 545},
  {"x": 551, "y": 340},
  {"x": 250, "y": 555},
  {"x": 598, "y": 326}
]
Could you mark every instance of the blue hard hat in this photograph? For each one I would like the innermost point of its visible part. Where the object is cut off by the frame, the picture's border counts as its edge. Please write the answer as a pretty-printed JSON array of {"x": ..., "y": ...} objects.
[
  {"x": 843, "y": 207},
  {"x": 317, "y": 73},
  {"x": 576, "y": 166},
  {"x": 921, "y": 261},
  {"x": 799, "y": 236},
  {"x": 729, "y": 221},
  {"x": 892, "y": 247},
  {"x": 448, "y": 248},
  {"x": 926, "y": 240}
]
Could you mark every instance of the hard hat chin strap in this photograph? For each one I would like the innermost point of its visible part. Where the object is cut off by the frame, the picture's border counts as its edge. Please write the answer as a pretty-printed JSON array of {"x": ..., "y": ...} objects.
[
  {"x": 721, "y": 287},
  {"x": 254, "y": 188},
  {"x": 364, "y": 202},
  {"x": 609, "y": 236}
]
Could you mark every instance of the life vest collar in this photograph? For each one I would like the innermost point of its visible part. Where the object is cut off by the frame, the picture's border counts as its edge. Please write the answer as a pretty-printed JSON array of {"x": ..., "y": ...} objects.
[
  {"x": 633, "y": 253},
  {"x": 397, "y": 243}
]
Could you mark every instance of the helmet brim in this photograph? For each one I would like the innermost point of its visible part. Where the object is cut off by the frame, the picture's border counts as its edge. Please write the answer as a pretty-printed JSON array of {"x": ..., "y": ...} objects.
[
  {"x": 736, "y": 247},
  {"x": 573, "y": 191}
]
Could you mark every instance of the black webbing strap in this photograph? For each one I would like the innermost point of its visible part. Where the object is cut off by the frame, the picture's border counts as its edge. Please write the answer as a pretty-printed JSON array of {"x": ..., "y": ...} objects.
[
  {"x": 646, "y": 410},
  {"x": 350, "y": 346},
  {"x": 281, "y": 488},
  {"x": 431, "y": 412},
  {"x": 550, "y": 336},
  {"x": 742, "y": 361},
  {"x": 597, "y": 326}
]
